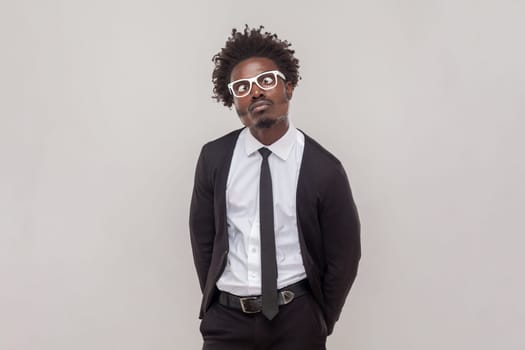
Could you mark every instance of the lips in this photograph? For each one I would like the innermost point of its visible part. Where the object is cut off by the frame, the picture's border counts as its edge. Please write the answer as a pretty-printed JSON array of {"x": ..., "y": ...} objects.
[{"x": 259, "y": 105}]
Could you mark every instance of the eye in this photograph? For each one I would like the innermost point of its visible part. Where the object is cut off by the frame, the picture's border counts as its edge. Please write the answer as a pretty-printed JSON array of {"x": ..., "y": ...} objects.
[
  {"x": 267, "y": 80},
  {"x": 241, "y": 87}
]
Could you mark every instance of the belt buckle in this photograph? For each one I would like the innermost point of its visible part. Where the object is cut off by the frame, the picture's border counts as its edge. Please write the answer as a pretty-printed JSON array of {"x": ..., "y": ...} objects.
[
  {"x": 288, "y": 296},
  {"x": 246, "y": 309}
]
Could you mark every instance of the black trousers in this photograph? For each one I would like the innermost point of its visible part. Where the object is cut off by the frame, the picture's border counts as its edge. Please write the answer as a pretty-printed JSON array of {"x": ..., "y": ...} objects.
[{"x": 298, "y": 326}]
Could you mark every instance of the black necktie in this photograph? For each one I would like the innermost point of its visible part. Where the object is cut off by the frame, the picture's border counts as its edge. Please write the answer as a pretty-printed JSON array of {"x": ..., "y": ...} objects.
[{"x": 268, "y": 260}]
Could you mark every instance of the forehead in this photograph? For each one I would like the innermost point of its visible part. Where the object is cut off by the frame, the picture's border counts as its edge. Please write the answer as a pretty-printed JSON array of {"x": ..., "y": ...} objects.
[{"x": 252, "y": 66}]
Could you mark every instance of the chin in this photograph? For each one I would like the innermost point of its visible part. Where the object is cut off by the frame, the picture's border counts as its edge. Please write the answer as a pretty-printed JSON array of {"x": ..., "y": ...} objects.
[{"x": 265, "y": 123}]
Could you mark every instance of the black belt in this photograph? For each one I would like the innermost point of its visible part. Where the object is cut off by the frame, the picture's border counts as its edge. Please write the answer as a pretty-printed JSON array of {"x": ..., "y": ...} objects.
[{"x": 253, "y": 304}]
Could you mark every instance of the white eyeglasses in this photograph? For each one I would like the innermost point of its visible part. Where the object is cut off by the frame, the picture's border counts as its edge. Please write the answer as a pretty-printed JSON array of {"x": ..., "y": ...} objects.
[{"x": 265, "y": 80}]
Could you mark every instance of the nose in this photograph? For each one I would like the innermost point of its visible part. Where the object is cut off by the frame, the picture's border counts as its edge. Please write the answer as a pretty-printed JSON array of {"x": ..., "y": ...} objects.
[{"x": 256, "y": 91}]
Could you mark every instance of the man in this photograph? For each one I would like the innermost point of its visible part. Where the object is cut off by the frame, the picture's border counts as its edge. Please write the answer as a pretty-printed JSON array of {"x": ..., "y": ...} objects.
[{"x": 274, "y": 229}]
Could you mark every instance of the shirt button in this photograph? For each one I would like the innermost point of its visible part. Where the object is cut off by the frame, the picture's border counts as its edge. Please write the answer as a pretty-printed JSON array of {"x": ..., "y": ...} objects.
[
  {"x": 254, "y": 249},
  {"x": 252, "y": 275}
]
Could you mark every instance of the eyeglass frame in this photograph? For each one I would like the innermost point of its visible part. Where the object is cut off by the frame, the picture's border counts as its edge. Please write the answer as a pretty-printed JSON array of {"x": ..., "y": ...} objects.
[{"x": 252, "y": 80}]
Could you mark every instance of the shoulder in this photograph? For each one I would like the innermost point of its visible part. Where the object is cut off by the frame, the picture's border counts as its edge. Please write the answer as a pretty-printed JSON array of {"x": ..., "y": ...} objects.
[
  {"x": 216, "y": 152},
  {"x": 314, "y": 151},
  {"x": 222, "y": 144},
  {"x": 324, "y": 170},
  {"x": 224, "y": 141}
]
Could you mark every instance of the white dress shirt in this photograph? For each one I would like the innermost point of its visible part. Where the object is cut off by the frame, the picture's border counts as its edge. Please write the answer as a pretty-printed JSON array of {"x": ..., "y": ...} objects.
[{"x": 242, "y": 274}]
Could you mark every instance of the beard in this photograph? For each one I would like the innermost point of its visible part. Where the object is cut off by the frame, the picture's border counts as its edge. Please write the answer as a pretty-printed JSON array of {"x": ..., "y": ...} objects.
[
  {"x": 260, "y": 122},
  {"x": 265, "y": 123}
]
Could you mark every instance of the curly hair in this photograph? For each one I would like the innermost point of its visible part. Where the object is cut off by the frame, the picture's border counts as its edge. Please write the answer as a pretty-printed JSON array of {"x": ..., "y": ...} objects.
[{"x": 251, "y": 43}]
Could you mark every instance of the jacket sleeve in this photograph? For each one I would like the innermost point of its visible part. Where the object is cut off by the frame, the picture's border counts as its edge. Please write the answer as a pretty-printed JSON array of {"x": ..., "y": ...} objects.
[
  {"x": 202, "y": 223},
  {"x": 340, "y": 228}
]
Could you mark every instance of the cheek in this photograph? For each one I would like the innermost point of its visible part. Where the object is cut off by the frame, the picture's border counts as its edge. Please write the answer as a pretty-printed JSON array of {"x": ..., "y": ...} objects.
[
  {"x": 237, "y": 106},
  {"x": 240, "y": 105},
  {"x": 281, "y": 96},
  {"x": 242, "y": 112}
]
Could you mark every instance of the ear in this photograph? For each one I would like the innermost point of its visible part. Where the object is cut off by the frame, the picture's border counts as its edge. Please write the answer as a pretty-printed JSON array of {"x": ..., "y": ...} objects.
[{"x": 289, "y": 90}]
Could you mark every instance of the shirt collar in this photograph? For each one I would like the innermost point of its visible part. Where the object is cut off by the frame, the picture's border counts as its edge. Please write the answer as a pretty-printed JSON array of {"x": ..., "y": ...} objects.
[{"x": 281, "y": 148}]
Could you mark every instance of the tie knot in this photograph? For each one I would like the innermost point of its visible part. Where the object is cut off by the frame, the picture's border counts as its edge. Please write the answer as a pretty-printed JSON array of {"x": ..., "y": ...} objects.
[{"x": 265, "y": 152}]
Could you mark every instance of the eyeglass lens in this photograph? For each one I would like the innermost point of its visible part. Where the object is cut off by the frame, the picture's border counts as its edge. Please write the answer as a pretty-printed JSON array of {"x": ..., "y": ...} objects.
[{"x": 265, "y": 81}]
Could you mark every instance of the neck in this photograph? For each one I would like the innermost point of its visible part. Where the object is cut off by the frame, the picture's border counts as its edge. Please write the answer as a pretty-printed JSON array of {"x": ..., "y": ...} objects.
[{"x": 267, "y": 136}]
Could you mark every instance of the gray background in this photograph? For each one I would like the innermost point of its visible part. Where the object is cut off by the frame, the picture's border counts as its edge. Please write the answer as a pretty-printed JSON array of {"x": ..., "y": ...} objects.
[{"x": 104, "y": 108}]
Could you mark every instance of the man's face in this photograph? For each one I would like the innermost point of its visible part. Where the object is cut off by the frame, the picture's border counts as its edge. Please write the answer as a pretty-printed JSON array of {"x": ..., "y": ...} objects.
[{"x": 261, "y": 108}]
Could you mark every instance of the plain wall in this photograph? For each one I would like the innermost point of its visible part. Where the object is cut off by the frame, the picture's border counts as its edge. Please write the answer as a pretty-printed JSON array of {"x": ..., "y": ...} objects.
[{"x": 104, "y": 106}]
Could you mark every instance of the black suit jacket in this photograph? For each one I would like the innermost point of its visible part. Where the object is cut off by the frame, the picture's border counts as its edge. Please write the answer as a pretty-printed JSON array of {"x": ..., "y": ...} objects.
[{"x": 328, "y": 223}]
